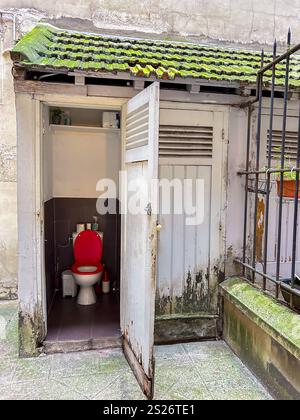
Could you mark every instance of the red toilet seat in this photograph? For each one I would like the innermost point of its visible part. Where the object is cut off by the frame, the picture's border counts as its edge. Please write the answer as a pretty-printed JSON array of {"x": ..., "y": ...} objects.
[{"x": 88, "y": 249}]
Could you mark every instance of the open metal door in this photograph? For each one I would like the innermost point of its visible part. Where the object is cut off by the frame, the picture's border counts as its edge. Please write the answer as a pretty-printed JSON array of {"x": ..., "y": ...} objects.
[{"x": 139, "y": 233}]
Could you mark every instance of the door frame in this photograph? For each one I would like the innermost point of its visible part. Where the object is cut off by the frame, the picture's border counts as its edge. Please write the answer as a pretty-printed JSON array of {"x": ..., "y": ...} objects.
[
  {"x": 32, "y": 297},
  {"x": 31, "y": 271}
]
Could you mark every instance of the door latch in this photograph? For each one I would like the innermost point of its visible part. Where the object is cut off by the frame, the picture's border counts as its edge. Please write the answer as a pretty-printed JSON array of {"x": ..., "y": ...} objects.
[{"x": 148, "y": 209}]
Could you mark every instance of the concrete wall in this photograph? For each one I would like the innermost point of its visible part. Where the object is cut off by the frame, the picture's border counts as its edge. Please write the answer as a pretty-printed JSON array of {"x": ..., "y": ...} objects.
[
  {"x": 243, "y": 21},
  {"x": 8, "y": 186},
  {"x": 247, "y": 21},
  {"x": 267, "y": 341},
  {"x": 81, "y": 157}
]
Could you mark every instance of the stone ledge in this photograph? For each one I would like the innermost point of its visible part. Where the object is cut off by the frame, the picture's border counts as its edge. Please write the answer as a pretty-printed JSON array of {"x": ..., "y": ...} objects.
[{"x": 280, "y": 322}]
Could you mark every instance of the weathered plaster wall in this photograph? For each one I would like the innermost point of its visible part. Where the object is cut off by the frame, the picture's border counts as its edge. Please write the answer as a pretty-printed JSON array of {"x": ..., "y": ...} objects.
[
  {"x": 243, "y": 21},
  {"x": 258, "y": 21},
  {"x": 8, "y": 185}
]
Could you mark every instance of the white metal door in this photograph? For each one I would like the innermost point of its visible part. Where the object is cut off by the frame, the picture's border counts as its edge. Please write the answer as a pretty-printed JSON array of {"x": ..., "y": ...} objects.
[
  {"x": 139, "y": 238},
  {"x": 190, "y": 257}
]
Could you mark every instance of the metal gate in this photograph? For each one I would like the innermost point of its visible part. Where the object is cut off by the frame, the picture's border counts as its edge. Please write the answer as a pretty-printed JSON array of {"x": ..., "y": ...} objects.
[{"x": 273, "y": 223}]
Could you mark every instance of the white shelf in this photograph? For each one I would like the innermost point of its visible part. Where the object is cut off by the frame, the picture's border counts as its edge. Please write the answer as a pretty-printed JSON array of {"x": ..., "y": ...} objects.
[{"x": 83, "y": 128}]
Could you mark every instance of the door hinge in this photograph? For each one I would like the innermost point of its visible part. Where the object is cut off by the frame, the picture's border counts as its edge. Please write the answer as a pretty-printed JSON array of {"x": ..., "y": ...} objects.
[{"x": 223, "y": 134}]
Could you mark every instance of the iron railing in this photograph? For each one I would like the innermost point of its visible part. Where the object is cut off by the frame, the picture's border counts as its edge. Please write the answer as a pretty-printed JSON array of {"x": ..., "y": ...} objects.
[{"x": 283, "y": 286}]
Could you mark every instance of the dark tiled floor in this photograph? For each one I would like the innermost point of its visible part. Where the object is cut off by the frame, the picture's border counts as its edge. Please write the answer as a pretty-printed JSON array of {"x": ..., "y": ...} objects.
[{"x": 69, "y": 321}]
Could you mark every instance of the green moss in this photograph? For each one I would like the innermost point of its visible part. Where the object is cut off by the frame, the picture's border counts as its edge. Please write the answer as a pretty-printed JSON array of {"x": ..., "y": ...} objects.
[
  {"x": 282, "y": 320},
  {"x": 48, "y": 46},
  {"x": 34, "y": 44}
]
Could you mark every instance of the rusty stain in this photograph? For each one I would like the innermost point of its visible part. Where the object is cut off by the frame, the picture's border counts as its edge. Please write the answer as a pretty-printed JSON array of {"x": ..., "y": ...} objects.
[
  {"x": 153, "y": 239},
  {"x": 260, "y": 226}
]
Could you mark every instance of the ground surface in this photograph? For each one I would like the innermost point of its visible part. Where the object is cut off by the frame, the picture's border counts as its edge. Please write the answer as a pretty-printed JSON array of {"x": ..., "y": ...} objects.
[{"x": 202, "y": 371}]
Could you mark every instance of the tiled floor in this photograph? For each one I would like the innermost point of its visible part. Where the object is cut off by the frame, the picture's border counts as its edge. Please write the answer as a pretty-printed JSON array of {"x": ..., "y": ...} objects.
[
  {"x": 70, "y": 321},
  {"x": 201, "y": 371}
]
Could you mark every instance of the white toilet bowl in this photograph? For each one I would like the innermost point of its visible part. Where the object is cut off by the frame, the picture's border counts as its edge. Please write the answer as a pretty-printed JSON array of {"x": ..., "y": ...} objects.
[
  {"x": 87, "y": 269},
  {"x": 86, "y": 282}
]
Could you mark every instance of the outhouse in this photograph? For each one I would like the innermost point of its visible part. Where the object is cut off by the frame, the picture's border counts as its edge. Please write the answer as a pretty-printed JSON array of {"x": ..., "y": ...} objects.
[{"x": 93, "y": 108}]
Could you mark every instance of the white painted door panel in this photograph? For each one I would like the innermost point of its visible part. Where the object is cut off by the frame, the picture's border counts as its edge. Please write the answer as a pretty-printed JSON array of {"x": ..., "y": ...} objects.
[
  {"x": 190, "y": 257},
  {"x": 139, "y": 238}
]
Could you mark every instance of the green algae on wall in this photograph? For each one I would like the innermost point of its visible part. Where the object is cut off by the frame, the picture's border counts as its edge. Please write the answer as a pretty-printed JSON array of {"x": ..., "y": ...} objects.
[
  {"x": 265, "y": 336},
  {"x": 282, "y": 321}
]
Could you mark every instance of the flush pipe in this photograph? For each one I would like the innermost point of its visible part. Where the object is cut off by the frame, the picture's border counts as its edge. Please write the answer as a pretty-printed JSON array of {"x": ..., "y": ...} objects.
[{"x": 45, "y": 76}]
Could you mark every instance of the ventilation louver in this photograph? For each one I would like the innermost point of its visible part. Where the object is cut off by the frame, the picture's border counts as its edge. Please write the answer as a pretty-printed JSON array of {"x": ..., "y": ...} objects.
[
  {"x": 182, "y": 141},
  {"x": 291, "y": 145}
]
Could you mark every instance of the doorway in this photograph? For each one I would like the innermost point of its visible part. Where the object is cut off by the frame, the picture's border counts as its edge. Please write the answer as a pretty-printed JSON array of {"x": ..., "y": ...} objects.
[
  {"x": 139, "y": 152},
  {"x": 139, "y": 146}
]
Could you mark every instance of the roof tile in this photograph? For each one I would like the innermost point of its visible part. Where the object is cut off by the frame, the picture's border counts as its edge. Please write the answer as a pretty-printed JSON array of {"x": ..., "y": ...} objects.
[{"x": 52, "y": 48}]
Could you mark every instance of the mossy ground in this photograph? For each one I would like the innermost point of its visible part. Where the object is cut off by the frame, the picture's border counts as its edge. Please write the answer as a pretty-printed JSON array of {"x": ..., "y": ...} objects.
[{"x": 201, "y": 371}]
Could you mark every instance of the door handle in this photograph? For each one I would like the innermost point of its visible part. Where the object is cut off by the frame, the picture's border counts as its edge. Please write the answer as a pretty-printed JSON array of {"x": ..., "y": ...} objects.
[{"x": 158, "y": 227}]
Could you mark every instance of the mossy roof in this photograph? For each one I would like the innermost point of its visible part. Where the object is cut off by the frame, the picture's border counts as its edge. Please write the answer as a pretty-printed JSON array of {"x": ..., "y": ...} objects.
[{"x": 49, "y": 47}]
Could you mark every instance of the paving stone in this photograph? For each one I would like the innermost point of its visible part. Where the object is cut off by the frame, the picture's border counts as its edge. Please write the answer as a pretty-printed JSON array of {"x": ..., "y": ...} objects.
[
  {"x": 124, "y": 387},
  {"x": 172, "y": 354},
  {"x": 7, "y": 370},
  {"x": 89, "y": 386},
  {"x": 40, "y": 390},
  {"x": 201, "y": 371},
  {"x": 189, "y": 391},
  {"x": 223, "y": 369},
  {"x": 30, "y": 369},
  {"x": 209, "y": 350},
  {"x": 227, "y": 391},
  {"x": 74, "y": 364}
]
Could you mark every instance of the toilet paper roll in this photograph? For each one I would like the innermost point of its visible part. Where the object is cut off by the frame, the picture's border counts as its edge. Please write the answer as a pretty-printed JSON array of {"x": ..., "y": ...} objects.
[{"x": 80, "y": 228}]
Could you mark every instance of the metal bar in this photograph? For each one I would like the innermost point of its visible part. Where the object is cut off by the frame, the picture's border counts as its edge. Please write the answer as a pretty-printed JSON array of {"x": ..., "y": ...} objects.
[
  {"x": 296, "y": 211},
  {"x": 269, "y": 66},
  {"x": 276, "y": 279},
  {"x": 258, "y": 141},
  {"x": 246, "y": 187},
  {"x": 266, "y": 171},
  {"x": 282, "y": 57},
  {"x": 279, "y": 233},
  {"x": 266, "y": 239},
  {"x": 288, "y": 288}
]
